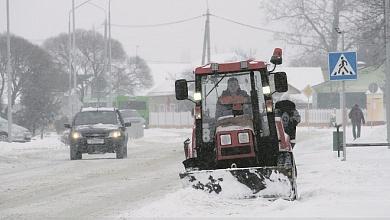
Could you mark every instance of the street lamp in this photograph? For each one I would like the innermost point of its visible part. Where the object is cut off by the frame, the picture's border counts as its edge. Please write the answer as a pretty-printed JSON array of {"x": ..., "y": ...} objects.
[
  {"x": 72, "y": 54},
  {"x": 72, "y": 51},
  {"x": 342, "y": 37},
  {"x": 109, "y": 104}
]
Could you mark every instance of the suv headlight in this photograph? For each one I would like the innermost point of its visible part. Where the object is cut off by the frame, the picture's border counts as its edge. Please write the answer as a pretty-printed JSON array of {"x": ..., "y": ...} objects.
[
  {"x": 76, "y": 135},
  {"x": 226, "y": 139},
  {"x": 243, "y": 138},
  {"x": 115, "y": 134}
]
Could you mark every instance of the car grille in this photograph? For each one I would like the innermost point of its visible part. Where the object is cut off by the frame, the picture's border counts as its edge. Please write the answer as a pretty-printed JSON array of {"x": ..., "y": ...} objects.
[{"x": 95, "y": 135}]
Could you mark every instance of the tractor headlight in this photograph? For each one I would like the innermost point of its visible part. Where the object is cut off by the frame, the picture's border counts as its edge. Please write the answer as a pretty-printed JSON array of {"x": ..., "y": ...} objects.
[
  {"x": 197, "y": 96},
  {"x": 243, "y": 138},
  {"x": 115, "y": 134},
  {"x": 266, "y": 90},
  {"x": 76, "y": 135},
  {"x": 226, "y": 139}
]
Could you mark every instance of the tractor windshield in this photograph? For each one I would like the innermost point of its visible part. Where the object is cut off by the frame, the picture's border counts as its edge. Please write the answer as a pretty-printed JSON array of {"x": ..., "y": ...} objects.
[
  {"x": 230, "y": 94},
  {"x": 232, "y": 89}
]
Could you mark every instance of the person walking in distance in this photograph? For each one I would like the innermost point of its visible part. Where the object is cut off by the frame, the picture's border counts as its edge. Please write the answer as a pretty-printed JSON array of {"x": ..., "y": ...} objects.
[{"x": 357, "y": 118}]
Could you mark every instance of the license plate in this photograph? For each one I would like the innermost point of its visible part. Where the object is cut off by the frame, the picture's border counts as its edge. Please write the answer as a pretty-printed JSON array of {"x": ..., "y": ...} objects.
[{"x": 95, "y": 141}]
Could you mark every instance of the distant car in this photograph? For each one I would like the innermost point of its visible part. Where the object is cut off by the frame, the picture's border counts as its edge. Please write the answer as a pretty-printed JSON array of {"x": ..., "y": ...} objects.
[
  {"x": 19, "y": 133},
  {"x": 137, "y": 123},
  {"x": 97, "y": 131}
]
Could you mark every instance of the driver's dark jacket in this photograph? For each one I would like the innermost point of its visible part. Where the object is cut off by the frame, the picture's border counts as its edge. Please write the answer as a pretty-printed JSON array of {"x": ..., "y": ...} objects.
[{"x": 227, "y": 100}]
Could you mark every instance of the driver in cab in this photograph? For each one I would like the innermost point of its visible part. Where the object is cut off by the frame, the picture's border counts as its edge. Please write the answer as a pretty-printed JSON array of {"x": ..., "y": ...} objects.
[{"x": 232, "y": 100}]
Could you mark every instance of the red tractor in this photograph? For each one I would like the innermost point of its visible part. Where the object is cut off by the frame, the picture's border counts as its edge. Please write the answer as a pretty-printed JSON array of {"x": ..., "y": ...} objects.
[{"x": 239, "y": 147}]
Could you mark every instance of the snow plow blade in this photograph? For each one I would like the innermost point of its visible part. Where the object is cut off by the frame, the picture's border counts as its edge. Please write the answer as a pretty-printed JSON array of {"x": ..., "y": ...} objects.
[{"x": 266, "y": 182}]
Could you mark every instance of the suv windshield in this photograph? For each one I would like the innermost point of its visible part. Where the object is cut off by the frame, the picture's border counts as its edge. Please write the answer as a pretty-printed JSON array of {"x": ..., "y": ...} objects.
[
  {"x": 129, "y": 114},
  {"x": 96, "y": 117}
]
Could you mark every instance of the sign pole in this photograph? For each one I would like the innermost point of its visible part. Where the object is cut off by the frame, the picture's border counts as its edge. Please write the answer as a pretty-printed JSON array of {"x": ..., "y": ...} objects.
[
  {"x": 344, "y": 122},
  {"x": 343, "y": 66}
]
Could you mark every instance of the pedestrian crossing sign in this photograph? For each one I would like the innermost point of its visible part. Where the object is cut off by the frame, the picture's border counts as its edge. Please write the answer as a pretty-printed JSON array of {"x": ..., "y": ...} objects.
[{"x": 342, "y": 66}]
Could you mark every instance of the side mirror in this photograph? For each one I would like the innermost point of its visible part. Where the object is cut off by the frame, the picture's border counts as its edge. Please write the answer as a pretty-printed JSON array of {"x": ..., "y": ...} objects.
[
  {"x": 280, "y": 80},
  {"x": 181, "y": 89},
  {"x": 67, "y": 125}
]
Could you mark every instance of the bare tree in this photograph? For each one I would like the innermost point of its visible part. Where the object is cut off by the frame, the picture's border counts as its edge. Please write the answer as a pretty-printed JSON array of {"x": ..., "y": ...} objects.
[
  {"x": 371, "y": 25},
  {"x": 310, "y": 26},
  {"x": 131, "y": 77},
  {"x": 90, "y": 59}
]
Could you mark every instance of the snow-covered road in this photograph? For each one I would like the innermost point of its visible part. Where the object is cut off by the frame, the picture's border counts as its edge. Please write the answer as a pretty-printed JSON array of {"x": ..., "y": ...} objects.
[{"x": 37, "y": 179}]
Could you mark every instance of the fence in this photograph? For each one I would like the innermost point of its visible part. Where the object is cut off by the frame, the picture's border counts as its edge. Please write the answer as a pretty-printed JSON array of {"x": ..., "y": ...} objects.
[
  {"x": 323, "y": 117},
  {"x": 171, "y": 120},
  {"x": 311, "y": 117}
]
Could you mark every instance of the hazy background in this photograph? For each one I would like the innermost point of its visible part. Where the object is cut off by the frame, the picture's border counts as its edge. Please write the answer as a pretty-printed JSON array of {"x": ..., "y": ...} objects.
[{"x": 182, "y": 42}]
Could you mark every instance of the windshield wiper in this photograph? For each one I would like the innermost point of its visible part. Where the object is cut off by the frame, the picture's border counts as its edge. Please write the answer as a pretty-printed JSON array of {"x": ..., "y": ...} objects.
[{"x": 215, "y": 85}]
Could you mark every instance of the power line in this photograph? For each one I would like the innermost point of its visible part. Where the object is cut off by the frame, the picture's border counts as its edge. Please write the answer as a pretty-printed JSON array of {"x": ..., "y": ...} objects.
[
  {"x": 262, "y": 29},
  {"x": 246, "y": 25},
  {"x": 165, "y": 34},
  {"x": 225, "y": 19},
  {"x": 156, "y": 25}
]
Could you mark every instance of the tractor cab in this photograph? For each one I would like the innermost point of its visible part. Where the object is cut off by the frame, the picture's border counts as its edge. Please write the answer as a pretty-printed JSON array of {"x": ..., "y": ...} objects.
[{"x": 233, "y": 122}]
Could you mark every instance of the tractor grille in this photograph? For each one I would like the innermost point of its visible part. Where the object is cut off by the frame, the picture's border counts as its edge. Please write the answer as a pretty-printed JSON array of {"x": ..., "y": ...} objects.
[{"x": 229, "y": 151}]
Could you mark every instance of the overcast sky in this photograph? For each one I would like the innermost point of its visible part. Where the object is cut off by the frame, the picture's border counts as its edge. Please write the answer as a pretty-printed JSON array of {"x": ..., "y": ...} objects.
[{"x": 38, "y": 20}]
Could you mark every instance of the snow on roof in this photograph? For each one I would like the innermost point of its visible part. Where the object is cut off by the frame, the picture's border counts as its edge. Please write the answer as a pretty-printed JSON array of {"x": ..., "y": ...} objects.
[
  {"x": 165, "y": 88},
  {"x": 300, "y": 77},
  {"x": 161, "y": 75},
  {"x": 161, "y": 72}
]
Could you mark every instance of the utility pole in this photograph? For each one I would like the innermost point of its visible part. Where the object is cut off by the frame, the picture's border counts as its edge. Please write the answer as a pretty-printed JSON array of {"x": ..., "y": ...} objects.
[
  {"x": 387, "y": 88},
  {"x": 206, "y": 40}
]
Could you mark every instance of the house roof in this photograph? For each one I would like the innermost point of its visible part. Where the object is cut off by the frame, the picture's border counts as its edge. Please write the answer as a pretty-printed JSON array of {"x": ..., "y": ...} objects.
[
  {"x": 165, "y": 88},
  {"x": 162, "y": 74},
  {"x": 300, "y": 77}
]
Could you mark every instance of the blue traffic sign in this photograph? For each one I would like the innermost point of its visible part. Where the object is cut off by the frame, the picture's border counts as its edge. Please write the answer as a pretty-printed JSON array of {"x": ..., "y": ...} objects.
[{"x": 343, "y": 66}]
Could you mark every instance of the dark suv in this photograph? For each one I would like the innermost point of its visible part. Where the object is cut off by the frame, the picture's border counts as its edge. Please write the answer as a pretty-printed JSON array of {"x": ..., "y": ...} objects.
[{"x": 97, "y": 131}]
